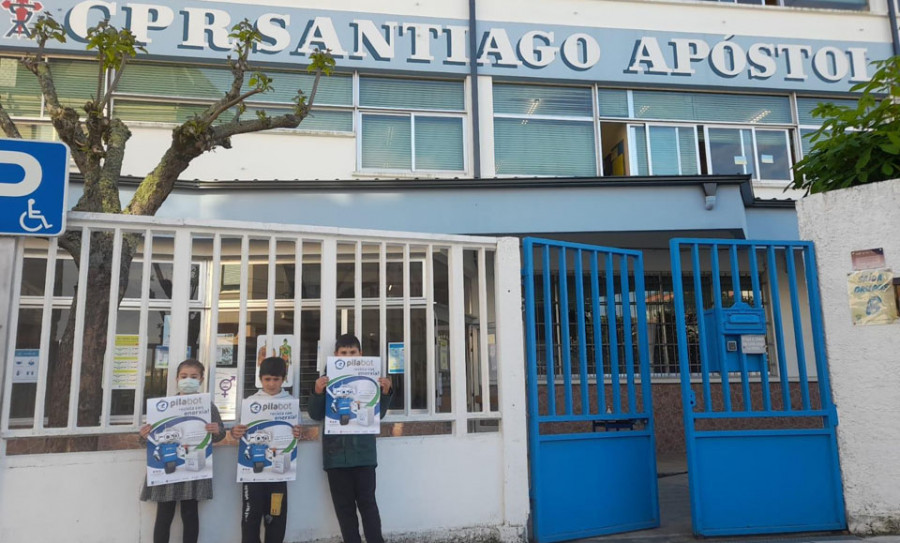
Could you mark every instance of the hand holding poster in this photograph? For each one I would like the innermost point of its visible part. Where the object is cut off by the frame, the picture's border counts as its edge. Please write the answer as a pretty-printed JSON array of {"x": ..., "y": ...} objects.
[
  {"x": 178, "y": 447},
  {"x": 352, "y": 395},
  {"x": 268, "y": 451}
]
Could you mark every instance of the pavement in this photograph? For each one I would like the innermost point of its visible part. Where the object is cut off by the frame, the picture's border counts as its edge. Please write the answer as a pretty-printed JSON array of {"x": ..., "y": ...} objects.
[{"x": 675, "y": 518}]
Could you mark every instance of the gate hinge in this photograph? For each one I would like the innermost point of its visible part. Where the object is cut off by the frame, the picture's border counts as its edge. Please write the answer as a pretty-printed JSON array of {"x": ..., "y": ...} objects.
[{"x": 833, "y": 416}]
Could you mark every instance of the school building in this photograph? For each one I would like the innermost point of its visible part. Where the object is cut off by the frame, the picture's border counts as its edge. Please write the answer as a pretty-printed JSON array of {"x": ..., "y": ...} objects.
[{"x": 449, "y": 132}]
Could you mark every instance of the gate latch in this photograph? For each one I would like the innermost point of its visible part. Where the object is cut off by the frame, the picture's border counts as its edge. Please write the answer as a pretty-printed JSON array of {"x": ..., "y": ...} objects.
[{"x": 692, "y": 398}]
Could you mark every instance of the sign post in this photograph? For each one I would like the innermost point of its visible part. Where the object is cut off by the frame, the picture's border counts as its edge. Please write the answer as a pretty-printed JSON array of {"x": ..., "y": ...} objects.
[{"x": 34, "y": 180}]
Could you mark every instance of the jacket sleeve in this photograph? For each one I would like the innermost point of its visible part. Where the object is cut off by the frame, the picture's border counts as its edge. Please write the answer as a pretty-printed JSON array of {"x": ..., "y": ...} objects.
[
  {"x": 385, "y": 403},
  {"x": 317, "y": 406},
  {"x": 217, "y": 418}
]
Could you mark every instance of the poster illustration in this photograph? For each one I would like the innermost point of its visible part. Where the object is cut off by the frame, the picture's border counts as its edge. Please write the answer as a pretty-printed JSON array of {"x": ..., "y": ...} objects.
[
  {"x": 282, "y": 345},
  {"x": 268, "y": 451},
  {"x": 178, "y": 447},
  {"x": 352, "y": 395},
  {"x": 25, "y": 365},
  {"x": 225, "y": 392},
  {"x": 871, "y": 296}
]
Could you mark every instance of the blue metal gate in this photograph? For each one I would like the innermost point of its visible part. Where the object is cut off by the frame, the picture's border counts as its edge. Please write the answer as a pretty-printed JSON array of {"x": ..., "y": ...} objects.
[
  {"x": 758, "y": 413},
  {"x": 591, "y": 442}
]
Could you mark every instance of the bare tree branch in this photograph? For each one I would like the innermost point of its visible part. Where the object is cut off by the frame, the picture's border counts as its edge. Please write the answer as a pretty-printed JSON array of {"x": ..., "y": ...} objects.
[
  {"x": 222, "y": 106},
  {"x": 225, "y": 131},
  {"x": 7, "y": 125},
  {"x": 112, "y": 86}
]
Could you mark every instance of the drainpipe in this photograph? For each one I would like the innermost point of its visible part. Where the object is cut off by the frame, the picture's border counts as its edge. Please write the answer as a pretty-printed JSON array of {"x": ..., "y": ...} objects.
[
  {"x": 473, "y": 75},
  {"x": 895, "y": 34}
]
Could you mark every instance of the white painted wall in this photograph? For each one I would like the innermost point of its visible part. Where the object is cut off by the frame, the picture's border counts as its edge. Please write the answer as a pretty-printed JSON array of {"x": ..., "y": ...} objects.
[{"x": 863, "y": 360}]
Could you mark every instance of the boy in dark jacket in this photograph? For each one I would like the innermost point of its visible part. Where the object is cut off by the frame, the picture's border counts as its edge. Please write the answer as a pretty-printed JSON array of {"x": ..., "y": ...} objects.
[{"x": 350, "y": 460}]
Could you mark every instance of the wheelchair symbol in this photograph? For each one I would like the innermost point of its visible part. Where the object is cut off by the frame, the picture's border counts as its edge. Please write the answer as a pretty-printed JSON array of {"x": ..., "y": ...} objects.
[{"x": 33, "y": 215}]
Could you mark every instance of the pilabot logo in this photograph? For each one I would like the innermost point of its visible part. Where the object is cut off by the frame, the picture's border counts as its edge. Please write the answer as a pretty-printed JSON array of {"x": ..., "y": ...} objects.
[
  {"x": 255, "y": 407},
  {"x": 340, "y": 363},
  {"x": 22, "y": 11},
  {"x": 162, "y": 405}
]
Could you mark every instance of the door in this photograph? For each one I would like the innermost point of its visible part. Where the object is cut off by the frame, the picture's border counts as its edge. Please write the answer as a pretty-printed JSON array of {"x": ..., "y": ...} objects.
[{"x": 591, "y": 443}]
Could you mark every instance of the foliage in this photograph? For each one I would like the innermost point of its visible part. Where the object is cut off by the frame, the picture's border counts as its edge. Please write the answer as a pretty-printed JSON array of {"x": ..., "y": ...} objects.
[{"x": 856, "y": 145}]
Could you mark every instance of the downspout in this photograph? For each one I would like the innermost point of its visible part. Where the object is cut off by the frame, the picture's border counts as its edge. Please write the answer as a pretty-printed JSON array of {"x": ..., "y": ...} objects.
[
  {"x": 895, "y": 34},
  {"x": 473, "y": 75}
]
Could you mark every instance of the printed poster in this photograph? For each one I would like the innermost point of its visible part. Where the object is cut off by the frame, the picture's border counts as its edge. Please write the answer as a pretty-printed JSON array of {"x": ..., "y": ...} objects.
[
  {"x": 178, "y": 447},
  {"x": 352, "y": 395},
  {"x": 225, "y": 392},
  {"x": 125, "y": 362},
  {"x": 268, "y": 451},
  {"x": 225, "y": 350},
  {"x": 25, "y": 365},
  {"x": 395, "y": 357},
  {"x": 282, "y": 345},
  {"x": 872, "y": 296}
]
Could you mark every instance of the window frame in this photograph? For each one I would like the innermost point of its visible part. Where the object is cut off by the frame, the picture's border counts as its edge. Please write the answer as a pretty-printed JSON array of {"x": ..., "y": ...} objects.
[{"x": 633, "y": 156}]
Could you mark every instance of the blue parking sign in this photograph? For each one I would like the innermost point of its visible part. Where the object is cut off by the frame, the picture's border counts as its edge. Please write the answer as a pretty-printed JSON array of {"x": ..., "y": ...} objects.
[{"x": 34, "y": 181}]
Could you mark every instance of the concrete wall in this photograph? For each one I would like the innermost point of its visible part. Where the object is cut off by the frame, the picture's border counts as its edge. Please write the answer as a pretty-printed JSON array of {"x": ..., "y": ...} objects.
[{"x": 862, "y": 359}]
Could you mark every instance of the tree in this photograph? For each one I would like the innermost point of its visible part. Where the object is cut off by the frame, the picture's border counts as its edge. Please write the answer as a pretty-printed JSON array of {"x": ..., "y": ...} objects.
[
  {"x": 97, "y": 143},
  {"x": 856, "y": 145}
]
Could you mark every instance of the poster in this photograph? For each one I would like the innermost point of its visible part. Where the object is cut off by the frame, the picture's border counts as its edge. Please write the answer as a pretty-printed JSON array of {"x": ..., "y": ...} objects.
[
  {"x": 872, "y": 296},
  {"x": 395, "y": 358},
  {"x": 178, "y": 447},
  {"x": 268, "y": 451},
  {"x": 225, "y": 350},
  {"x": 25, "y": 366},
  {"x": 161, "y": 357},
  {"x": 225, "y": 392},
  {"x": 282, "y": 345},
  {"x": 352, "y": 396},
  {"x": 125, "y": 362}
]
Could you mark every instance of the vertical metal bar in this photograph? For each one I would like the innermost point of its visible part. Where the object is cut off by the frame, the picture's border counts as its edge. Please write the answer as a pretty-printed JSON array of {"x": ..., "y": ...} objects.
[
  {"x": 597, "y": 323},
  {"x": 327, "y": 331},
  {"x": 456, "y": 276},
  {"x": 429, "y": 327},
  {"x": 78, "y": 342},
  {"x": 548, "y": 333},
  {"x": 643, "y": 347},
  {"x": 818, "y": 330},
  {"x": 46, "y": 326},
  {"x": 407, "y": 340},
  {"x": 738, "y": 297},
  {"x": 357, "y": 297},
  {"x": 298, "y": 311},
  {"x": 242, "y": 325},
  {"x": 382, "y": 299},
  {"x": 271, "y": 348},
  {"x": 215, "y": 275},
  {"x": 181, "y": 294},
  {"x": 613, "y": 330},
  {"x": 627, "y": 337},
  {"x": 701, "y": 322},
  {"x": 772, "y": 264},
  {"x": 564, "y": 341},
  {"x": 12, "y": 327},
  {"x": 582, "y": 334},
  {"x": 798, "y": 327},
  {"x": 484, "y": 361},
  {"x": 720, "y": 341},
  {"x": 146, "y": 266},
  {"x": 531, "y": 358},
  {"x": 757, "y": 302},
  {"x": 112, "y": 319}
]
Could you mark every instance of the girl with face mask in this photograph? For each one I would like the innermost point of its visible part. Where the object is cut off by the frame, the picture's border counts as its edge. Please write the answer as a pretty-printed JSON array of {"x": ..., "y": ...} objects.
[{"x": 189, "y": 381}]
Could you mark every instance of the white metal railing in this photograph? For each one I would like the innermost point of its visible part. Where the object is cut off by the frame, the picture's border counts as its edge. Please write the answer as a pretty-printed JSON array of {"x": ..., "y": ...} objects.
[{"x": 203, "y": 248}]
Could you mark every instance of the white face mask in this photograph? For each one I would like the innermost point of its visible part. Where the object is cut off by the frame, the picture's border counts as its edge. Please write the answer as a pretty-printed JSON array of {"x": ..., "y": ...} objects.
[{"x": 189, "y": 385}]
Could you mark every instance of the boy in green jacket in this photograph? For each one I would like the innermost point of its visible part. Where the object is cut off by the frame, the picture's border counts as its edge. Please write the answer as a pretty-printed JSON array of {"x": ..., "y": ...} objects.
[{"x": 350, "y": 460}]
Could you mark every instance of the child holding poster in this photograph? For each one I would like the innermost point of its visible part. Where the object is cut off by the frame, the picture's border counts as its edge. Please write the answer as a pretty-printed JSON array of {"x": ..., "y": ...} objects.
[
  {"x": 189, "y": 377},
  {"x": 350, "y": 459},
  {"x": 264, "y": 500}
]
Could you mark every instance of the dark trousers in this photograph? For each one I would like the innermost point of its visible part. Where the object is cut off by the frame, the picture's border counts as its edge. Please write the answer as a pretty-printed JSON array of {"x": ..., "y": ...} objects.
[
  {"x": 165, "y": 512},
  {"x": 353, "y": 488},
  {"x": 257, "y": 507}
]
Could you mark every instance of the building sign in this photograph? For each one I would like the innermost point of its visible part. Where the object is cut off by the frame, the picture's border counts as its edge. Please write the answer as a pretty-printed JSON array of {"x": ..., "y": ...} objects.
[
  {"x": 415, "y": 44},
  {"x": 872, "y": 296}
]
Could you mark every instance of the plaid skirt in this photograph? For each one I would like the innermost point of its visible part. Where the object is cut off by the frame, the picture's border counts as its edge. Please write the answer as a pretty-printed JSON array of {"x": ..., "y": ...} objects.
[{"x": 186, "y": 490}]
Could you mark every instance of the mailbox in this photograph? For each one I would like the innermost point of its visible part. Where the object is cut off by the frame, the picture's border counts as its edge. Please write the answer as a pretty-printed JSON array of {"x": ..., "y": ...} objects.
[{"x": 733, "y": 331}]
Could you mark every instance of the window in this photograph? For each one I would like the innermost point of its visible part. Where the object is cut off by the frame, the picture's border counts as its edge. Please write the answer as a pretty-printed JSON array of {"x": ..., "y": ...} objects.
[
  {"x": 664, "y": 150},
  {"x": 411, "y": 125},
  {"x": 824, "y": 4},
  {"x": 808, "y": 123},
  {"x": 544, "y": 131}
]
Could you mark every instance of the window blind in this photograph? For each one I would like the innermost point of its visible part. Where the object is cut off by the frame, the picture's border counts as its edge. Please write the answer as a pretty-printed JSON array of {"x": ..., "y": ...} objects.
[
  {"x": 695, "y": 106},
  {"x": 76, "y": 82},
  {"x": 19, "y": 89},
  {"x": 612, "y": 102},
  {"x": 806, "y": 105},
  {"x": 439, "y": 143},
  {"x": 664, "y": 150},
  {"x": 386, "y": 142},
  {"x": 542, "y": 100},
  {"x": 544, "y": 147},
  {"x": 411, "y": 94},
  {"x": 638, "y": 148}
]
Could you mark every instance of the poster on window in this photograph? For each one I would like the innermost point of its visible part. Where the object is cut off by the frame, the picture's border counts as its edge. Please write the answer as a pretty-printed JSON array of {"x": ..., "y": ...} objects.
[
  {"x": 872, "y": 296},
  {"x": 225, "y": 350},
  {"x": 125, "y": 362},
  {"x": 178, "y": 447},
  {"x": 268, "y": 451},
  {"x": 282, "y": 346},
  {"x": 352, "y": 395},
  {"x": 225, "y": 392},
  {"x": 25, "y": 366}
]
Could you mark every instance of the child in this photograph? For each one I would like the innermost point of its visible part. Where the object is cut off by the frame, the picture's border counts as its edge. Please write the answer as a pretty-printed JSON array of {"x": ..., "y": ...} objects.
[
  {"x": 350, "y": 460},
  {"x": 265, "y": 501},
  {"x": 189, "y": 377}
]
